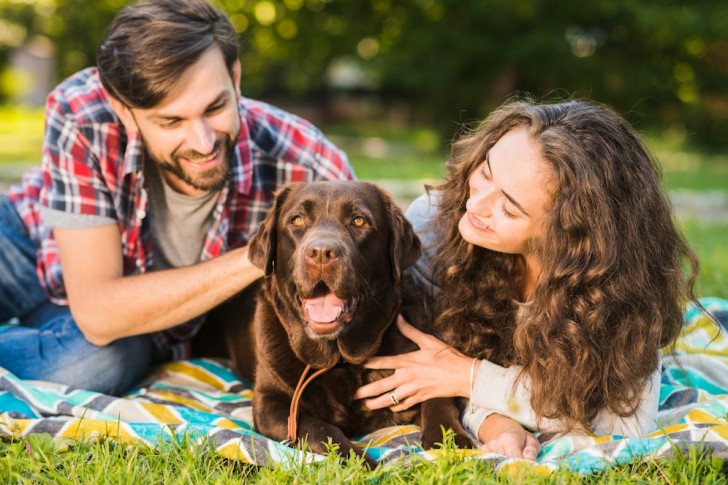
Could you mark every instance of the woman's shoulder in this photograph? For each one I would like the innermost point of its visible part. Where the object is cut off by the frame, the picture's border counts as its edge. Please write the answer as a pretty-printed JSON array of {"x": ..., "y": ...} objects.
[{"x": 423, "y": 210}]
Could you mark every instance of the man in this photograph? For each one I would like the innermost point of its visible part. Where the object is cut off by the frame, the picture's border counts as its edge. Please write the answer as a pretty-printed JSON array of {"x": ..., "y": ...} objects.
[{"x": 155, "y": 174}]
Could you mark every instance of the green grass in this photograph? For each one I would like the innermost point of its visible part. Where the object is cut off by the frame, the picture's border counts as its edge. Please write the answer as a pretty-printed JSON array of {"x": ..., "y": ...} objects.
[
  {"x": 692, "y": 169},
  {"x": 38, "y": 459},
  {"x": 710, "y": 243}
]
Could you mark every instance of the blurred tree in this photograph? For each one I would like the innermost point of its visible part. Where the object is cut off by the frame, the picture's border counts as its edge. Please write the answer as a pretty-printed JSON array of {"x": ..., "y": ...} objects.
[
  {"x": 654, "y": 60},
  {"x": 76, "y": 27},
  {"x": 448, "y": 62}
]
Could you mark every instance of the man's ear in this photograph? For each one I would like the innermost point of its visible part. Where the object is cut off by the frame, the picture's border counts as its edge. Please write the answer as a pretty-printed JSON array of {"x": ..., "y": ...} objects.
[
  {"x": 237, "y": 76},
  {"x": 125, "y": 115}
]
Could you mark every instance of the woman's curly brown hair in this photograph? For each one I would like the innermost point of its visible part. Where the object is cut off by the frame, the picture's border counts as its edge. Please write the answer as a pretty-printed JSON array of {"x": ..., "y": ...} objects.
[{"x": 613, "y": 282}]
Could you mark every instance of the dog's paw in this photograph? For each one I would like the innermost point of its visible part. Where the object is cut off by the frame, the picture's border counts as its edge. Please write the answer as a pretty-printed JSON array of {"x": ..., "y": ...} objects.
[
  {"x": 463, "y": 441},
  {"x": 435, "y": 439}
]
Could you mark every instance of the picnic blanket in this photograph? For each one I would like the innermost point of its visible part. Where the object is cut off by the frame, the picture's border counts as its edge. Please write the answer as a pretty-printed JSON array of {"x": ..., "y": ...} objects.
[{"x": 204, "y": 398}]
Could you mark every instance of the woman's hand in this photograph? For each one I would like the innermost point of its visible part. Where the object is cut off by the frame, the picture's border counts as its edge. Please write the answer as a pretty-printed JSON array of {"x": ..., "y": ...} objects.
[
  {"x": 500, "y": 434},
  {"x": 436, "y": 370}
]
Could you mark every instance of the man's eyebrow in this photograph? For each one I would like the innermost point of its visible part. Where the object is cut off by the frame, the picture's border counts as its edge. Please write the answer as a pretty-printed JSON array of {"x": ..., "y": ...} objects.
[
  {"x": 511, "y": 199},
  {"x": 219, "y": 98}
]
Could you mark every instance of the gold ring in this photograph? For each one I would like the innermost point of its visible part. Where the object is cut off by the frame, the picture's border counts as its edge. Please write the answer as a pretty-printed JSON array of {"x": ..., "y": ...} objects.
[{"x": 394, "y": 399}]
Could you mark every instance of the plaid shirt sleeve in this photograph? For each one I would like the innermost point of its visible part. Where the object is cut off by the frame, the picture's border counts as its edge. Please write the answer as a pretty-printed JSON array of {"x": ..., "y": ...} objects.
[
  {"x": 82, "y": 158},
  {"x": 79, "y": 137}
]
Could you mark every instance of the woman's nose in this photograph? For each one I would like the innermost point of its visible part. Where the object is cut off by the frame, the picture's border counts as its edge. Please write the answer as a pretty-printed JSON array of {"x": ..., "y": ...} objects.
[{"x": 480, "y": 201}]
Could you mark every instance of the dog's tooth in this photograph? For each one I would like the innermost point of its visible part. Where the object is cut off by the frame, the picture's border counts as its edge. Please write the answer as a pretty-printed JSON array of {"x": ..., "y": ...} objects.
[{"x": 339, "y": 314}]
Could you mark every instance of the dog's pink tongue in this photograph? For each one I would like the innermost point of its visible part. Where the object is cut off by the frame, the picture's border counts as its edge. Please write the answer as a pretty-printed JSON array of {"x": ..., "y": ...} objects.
[{"x": 323, "y": 309}]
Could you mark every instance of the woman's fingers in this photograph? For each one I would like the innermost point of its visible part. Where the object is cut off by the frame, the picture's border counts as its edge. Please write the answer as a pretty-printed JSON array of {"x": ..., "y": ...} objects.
[
  {"x": 422, "y": 339},
  {"x": 515, "y": 445},
  {"x": 396, "y": 398},
  {"x": 376, "y": 388},
  {"x": 387, "y": 362},
  {"x": 530, "y": 449}
]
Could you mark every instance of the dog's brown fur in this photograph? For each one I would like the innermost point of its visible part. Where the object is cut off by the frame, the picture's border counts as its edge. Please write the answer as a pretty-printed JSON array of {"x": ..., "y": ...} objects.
[{"x": 351, "y": 240}]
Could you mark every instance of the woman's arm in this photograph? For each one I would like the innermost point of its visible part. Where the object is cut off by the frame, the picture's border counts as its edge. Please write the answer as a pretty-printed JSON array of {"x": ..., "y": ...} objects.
[{"x": 495, "y": 391}]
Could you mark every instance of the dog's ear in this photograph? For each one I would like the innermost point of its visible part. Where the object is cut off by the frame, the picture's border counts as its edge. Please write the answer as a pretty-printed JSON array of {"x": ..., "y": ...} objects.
[
  {"x": 405, "y": 246},
  {"x": 262, "y": 246}
]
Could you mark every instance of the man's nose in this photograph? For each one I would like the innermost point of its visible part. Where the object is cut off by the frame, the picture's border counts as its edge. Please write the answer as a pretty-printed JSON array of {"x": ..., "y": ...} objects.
[{"x": 202, "y": 137}]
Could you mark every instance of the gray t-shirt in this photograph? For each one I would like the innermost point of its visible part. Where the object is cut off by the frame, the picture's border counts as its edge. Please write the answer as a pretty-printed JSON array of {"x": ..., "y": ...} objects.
[{"x": 179, "y": 223}]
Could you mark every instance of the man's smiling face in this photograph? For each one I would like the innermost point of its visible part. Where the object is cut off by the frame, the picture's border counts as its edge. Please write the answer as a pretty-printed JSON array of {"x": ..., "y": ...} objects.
[{"x": 192, "y": 133}]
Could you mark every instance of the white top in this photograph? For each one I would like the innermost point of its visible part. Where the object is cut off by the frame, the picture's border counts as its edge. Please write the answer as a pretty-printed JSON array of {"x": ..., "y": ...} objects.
[{"x": 494, "y": 389}]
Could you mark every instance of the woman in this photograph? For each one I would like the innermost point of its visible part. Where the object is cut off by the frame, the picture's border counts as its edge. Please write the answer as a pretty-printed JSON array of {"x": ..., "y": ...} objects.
[{"x": 555, "y": 273}]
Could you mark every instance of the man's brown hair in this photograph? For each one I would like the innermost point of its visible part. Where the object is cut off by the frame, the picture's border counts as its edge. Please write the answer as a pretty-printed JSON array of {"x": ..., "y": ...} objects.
[{"x": 148, "y": 46}]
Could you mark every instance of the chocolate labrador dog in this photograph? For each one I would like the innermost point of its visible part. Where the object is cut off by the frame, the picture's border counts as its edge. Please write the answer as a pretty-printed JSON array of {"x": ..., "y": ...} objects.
[{"x": 334, "y": 256}]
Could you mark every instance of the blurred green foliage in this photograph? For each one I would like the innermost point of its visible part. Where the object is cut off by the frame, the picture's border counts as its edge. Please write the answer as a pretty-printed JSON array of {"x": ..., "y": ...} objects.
[
  {"x": 708, "y": 242},
  {"x": 21, "y": 134},
  {"x": 662, "y": 63}
]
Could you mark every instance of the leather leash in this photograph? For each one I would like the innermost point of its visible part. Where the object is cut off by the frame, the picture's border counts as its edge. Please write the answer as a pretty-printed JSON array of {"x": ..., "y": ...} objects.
[{"x": 293, "y": 414}]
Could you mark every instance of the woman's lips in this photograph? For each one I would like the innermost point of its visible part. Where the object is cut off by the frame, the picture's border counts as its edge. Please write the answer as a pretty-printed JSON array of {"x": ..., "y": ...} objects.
[{"x": 475, "y": 222}]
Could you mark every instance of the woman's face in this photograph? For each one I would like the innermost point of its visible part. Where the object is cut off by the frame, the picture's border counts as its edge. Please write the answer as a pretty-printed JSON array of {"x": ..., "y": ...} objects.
[{"x": 508, "y": 196}]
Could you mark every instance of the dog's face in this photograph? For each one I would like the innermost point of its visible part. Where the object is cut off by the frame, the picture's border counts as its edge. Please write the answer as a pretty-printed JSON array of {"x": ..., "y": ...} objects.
[{"x": 334, "y": 252}]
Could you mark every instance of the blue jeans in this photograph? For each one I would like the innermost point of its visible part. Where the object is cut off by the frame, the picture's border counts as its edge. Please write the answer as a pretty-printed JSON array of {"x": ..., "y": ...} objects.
[{"x": 41, "y": 340}]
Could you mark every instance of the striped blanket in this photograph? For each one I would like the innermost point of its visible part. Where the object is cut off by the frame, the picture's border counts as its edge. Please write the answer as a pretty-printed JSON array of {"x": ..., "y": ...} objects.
[{"x": 204, "y": 398}]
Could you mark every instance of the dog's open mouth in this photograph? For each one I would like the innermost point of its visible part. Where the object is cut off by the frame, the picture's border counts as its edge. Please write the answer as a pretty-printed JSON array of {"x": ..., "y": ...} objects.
[{"x": 325, "y": 312}]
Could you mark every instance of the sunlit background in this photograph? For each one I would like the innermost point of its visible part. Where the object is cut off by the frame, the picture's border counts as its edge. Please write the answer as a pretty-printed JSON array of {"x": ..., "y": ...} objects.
[
  {"x": 662, "y": 63},
  {"x": 392, "y": 81}
]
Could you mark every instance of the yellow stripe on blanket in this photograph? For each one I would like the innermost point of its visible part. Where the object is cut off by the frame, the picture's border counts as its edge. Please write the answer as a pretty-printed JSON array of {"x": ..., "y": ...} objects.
[
  {"x": 381, "y": 436},
  {"x": 161, "y": 413},
  {"x": 196, "y": 373},
  {"x": 700, "y": 416},
  {"x": 704, "y": 338},
  {"x": 226, "y": 423},
  {"x": 83, "y": 429},
  {"x": 598, "y": 440},
  {"x": 675, "y": 428},
  {"x": 721, "y": 430},
  {"x": 232, "y": 451},
  {"x": 181, "y": 400}
]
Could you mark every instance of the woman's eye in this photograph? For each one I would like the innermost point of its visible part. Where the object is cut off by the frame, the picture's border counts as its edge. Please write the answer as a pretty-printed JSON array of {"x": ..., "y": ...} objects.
[
  {"x": 508, "y": 214},
  {"x": 358, "y": 221},
  {"x": 297, "y": 221}
]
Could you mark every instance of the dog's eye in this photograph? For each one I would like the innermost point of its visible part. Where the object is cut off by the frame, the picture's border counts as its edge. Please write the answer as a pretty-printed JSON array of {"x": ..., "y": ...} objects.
[
  {"x": 358, "y": 221},
  {"x": 297, "y": 221}
]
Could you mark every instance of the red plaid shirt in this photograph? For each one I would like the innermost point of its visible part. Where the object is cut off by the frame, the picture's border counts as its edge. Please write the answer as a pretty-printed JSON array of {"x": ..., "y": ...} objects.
[{"x": 90, "y": 167}]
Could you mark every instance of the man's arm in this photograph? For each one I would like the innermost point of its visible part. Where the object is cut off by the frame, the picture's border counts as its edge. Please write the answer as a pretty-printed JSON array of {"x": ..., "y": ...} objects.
[{"x": 107, "y": 305}]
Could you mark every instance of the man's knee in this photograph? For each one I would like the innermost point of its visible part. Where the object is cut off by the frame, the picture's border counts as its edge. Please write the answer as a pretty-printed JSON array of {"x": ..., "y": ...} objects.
[
  {"x": 57, "y": 351},
  {"x": 112, "y": 369}
]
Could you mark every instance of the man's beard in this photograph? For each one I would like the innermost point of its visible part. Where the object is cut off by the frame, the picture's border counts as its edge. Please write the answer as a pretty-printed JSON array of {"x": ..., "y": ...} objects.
[{"x": 210, "y": 180}]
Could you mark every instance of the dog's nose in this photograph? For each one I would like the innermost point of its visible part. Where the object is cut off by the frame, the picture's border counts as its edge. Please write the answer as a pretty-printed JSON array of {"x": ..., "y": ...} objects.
[{"x": 322, "y": 252}]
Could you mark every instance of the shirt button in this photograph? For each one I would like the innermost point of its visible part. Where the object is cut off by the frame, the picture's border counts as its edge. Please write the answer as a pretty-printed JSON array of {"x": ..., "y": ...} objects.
[
  {"x": 141, "y": 213},
  {"x": 139, "y": 263}
]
